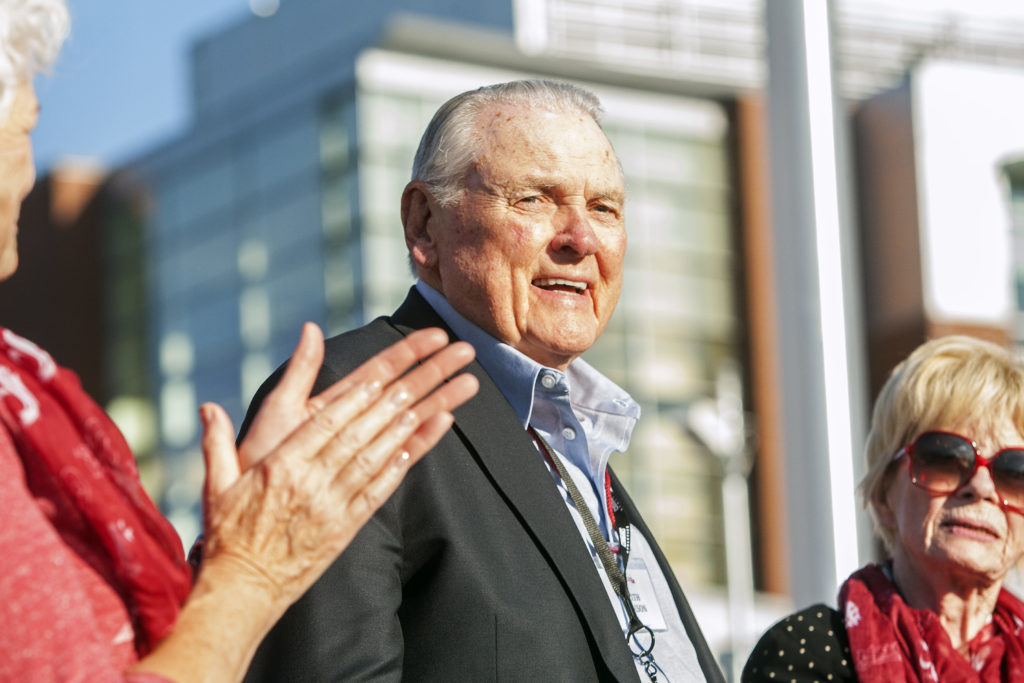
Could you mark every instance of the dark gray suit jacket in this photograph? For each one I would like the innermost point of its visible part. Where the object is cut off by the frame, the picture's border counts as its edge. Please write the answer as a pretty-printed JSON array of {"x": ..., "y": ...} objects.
[{"x": 472, "y": 571}]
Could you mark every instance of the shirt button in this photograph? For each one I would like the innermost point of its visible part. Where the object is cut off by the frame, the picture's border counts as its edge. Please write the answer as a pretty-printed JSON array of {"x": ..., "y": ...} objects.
[
  {"x": 548, "y": 381},
  {"x": 569, "y": 433}
]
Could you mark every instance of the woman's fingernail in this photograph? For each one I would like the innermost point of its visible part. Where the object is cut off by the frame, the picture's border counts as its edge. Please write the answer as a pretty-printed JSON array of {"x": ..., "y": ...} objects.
[
  {"x": 400, "y": 398},
  {"x": 408, "y": 419},
  {"x": 400, "y": 460}
]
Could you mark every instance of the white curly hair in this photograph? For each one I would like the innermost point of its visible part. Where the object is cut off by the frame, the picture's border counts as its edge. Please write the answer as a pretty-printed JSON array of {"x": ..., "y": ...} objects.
[{"x": 31, "y": 34}]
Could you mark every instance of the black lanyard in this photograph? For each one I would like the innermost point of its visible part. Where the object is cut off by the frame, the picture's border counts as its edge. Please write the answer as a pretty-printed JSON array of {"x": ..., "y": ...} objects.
[{"x": 611, "y": 567}]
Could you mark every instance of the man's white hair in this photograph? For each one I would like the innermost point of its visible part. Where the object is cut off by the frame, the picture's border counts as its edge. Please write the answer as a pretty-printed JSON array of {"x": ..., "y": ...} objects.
[
  {"x": 450, "y": 144},
  {"x": 31, "y": 34}
]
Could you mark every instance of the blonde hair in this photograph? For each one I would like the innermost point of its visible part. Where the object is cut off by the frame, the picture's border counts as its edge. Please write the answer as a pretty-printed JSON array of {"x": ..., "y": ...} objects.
[
  {"x": 31, "y": 34},
  {"x": 948, "y": 381}
]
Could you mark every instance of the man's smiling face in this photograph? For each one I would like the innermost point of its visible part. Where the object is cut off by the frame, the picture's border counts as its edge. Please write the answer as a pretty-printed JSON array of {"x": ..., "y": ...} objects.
[{"x": 532, "y": 249}]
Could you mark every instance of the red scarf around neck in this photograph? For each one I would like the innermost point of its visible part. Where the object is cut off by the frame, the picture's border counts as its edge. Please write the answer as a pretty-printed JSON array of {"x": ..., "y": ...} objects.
[
  {"x": 892, "y": 642},
  {"x": 64, "y": 438}
]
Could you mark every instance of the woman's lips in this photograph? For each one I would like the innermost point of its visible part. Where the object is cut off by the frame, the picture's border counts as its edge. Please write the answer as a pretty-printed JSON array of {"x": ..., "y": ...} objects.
[{"x": 967, "y": 527}]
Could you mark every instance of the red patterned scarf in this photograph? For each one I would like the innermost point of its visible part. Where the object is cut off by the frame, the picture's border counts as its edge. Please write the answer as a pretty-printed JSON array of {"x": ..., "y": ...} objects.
[
  {"x": 891, "y": 641},
  {"x": 71, "y": 448}
]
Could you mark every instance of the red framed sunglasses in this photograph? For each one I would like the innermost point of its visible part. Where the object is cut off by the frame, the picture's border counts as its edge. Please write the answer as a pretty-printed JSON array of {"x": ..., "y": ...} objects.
[{"x": 942, "y": 462}]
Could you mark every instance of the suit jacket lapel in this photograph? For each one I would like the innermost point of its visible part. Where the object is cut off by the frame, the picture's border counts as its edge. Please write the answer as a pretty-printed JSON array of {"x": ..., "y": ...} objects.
[{"x": 491, "y": 431}]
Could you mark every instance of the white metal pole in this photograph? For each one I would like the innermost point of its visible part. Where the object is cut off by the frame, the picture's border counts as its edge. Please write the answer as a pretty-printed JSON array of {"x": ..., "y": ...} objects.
[{"x": 821, "y": 339}]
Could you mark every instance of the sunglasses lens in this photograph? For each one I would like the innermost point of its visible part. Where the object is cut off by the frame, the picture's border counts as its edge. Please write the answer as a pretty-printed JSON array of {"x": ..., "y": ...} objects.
[
  {"x": 1008, "y": 475},
  {"x": 941, "y": 463}
]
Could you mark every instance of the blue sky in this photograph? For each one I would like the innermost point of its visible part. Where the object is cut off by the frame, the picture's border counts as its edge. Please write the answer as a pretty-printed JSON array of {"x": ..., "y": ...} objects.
[{"x": 121, "y": 84}]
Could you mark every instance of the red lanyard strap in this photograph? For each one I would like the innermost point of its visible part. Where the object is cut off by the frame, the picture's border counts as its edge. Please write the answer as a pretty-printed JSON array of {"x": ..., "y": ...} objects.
[{"x": 611, "y": 567}]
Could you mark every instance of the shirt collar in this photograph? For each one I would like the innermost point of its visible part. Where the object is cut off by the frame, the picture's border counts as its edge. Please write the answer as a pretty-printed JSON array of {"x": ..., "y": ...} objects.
[{"x": 516, "y": 374}]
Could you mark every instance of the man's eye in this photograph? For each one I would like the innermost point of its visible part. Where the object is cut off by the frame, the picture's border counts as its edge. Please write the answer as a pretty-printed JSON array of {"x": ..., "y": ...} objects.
[{"x": 531, "y": 200}]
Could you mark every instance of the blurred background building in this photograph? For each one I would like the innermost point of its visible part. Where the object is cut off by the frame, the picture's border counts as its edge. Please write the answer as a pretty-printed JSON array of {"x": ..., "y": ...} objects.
[{"x": 280, "y": 205}]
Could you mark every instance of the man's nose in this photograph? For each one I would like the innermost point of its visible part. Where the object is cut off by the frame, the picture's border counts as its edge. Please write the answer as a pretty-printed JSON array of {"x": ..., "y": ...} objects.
[{"x": 574, "y": 234}]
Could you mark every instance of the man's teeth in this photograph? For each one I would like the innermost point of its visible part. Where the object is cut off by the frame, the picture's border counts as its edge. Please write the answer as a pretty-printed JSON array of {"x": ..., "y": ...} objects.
[{"x": 554, "y": 283}]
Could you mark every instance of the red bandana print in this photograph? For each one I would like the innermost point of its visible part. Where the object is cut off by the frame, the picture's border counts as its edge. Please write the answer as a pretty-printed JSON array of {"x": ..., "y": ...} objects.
[
  {"x": 65, "y": 438},
  {"x": 891, "y": 641}
]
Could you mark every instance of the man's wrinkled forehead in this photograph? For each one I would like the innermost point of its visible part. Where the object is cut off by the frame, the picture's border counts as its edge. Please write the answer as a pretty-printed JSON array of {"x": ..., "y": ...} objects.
[
  {"x": 498, "y": 117},
  {"x": 501, "y": 128}
]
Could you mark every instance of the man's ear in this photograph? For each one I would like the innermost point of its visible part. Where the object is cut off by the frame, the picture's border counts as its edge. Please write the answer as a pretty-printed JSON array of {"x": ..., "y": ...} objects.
[{"x": 418, "y": 221}]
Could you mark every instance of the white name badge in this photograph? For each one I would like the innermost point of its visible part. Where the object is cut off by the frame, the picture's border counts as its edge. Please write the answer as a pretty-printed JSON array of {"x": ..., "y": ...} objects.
[{"x": 641, "y": 592}]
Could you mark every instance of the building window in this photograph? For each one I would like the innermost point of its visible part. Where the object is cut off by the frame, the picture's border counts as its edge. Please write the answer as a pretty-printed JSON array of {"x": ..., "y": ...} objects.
[{"x": 1013, "y": 174}]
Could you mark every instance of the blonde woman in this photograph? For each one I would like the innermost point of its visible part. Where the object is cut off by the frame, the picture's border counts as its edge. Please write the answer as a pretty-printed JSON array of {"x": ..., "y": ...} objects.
[{"x": 945, "y": 485}]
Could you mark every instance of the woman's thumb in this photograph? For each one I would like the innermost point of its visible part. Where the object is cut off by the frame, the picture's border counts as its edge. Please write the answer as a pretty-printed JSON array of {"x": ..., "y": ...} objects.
[{"x": 219, "y": 450}]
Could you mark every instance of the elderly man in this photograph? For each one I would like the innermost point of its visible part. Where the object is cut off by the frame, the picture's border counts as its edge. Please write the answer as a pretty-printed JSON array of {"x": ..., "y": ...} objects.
[{"x": 501, "y": 557}]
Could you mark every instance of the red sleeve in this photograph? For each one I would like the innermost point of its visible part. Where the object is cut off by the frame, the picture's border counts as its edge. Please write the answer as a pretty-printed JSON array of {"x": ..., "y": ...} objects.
[{"x": 61, "y": 621}]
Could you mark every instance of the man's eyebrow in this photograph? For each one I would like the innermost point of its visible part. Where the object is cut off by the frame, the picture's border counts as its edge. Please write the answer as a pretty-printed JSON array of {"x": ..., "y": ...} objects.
[
  {"x": 532, "y": 182},
  {"x": 611, "y": 196}
]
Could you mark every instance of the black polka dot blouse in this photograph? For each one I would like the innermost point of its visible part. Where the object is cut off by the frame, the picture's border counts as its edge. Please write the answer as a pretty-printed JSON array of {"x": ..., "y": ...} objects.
[{"x": 807, "y": 646}]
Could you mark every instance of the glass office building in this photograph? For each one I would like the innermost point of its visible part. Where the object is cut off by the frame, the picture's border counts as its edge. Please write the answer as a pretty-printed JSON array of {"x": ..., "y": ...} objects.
[
  {"x": 282, "y": 206},
  {"x": 1013, "y": 177}
]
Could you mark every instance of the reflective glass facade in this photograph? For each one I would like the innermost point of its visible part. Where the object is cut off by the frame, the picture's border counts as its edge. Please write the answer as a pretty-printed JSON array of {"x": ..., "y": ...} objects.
[
  {"x": 1013, "y": 174},
  {"x": 295, "y": 217},
  {"x": 237, "y": 250}
]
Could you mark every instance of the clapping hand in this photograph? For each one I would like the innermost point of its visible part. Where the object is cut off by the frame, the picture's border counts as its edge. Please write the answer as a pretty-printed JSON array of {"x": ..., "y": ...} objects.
[{"x": 312, "y": 470}]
